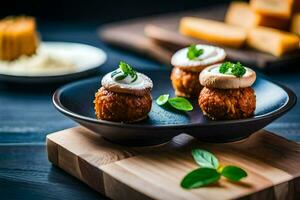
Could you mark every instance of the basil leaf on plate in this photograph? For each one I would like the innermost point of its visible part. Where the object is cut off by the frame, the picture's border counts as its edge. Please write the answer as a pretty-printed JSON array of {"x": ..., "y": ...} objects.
[
  {"x": 205, "y": 158},
  {"x": 162, "y": 99},
  {"x": 180, "y": 103},
  {"x": 200, "y": 177},
  {"x": 233, "y": 173}
]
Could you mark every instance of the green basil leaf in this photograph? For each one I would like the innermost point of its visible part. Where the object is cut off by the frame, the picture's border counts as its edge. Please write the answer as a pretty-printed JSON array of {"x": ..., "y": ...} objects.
[
  {"x": 124, "y": 67},
  {"x": 135, "y": 77},
  {"x": 233, "y": 173},
  {"x": 127, "y": 70},
  {"x": 205, "y": 158},
  {"x": 120, "y": 77},
  {"x": 162, "y": 99},
  {"x": 193, "y": 52},
  {"x": 180, "y": 103},
  {"x": 115, "y": 73},
  {"x": 200, "y": 177},
  {"x": 238, "y": 70},
  {"x": 225, "y": 67}
]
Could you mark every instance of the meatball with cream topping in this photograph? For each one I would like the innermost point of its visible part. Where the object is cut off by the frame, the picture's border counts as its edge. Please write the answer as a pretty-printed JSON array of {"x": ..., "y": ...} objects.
[
  {"x": 125, "y": 96},
  {"x": 188, "y": 63},
  {"x": 227, "y": 92}
]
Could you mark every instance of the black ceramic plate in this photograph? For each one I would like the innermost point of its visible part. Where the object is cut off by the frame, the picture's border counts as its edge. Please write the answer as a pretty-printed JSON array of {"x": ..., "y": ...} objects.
[{"x": 75, "y": 100}]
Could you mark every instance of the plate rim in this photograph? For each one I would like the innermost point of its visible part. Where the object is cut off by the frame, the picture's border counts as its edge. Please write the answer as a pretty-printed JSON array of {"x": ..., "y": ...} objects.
[
  {"x": 291, "y": 102},
  {"x": 53, "y": 76}
]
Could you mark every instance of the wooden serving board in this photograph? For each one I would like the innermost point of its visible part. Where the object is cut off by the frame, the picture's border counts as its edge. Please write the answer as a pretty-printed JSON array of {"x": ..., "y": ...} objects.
[
  {"x": 161, "y": 39},
  {"x": 119, "y": 172}
]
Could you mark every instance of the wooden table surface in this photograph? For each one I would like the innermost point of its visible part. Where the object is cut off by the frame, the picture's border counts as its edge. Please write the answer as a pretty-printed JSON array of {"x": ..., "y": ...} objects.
[{"x": 27, "y": 115}]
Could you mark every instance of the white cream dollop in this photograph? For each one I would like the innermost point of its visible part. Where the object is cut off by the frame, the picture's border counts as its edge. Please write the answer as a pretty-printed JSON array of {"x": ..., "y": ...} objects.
[
  {"x": 210, "y": 56},
  {"x": 211, "y": 77},
  {"x": 127, "y": 80},
  {"x": 141, "y": 85},
  {"x": 216, "y": 70}
]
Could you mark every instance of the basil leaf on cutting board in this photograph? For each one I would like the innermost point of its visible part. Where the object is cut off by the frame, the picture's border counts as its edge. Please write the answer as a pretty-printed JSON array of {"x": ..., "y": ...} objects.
[
  {"x": 210, "y": 171},
  {"x": 200, "y": 177},
  {"x": 233, "y": 173},
  {"x": 205, "y": 158}
]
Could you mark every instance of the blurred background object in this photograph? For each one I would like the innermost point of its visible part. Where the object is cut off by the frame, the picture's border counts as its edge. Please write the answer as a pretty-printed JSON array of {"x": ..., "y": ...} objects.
[
  {"x": 96, "y": 11},
  {"x": 237, "y": 19},
  {"x": 257, "y": 33}
]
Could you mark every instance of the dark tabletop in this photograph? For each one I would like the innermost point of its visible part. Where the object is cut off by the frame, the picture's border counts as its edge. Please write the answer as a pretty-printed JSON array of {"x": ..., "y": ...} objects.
[{"x": 27, "y": 116}]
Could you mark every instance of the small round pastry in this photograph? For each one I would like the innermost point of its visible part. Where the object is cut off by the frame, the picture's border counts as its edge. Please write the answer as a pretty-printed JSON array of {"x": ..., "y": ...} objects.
[
  {"x": 18, "y": 37},
  {"x": 125, "y": 96},
  {"x": 227, "y": 92},
  {"x": 188, "y": 63}
]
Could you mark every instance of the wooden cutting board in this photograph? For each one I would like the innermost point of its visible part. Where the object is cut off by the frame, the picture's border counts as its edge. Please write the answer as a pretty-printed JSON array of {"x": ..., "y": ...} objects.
[
  {"x": 163, "y": 39},
  {"x": 119, "y": 172}
]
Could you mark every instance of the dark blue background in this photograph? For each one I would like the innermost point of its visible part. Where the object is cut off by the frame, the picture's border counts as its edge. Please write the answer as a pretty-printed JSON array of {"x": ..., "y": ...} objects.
[{"x": 96, "y": 11}]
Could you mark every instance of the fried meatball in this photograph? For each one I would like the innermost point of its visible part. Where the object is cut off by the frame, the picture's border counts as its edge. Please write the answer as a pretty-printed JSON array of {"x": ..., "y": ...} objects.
[
  {"x": 185, "y": 83},
  {"x": 227, "y": 103},
  {"x": 121, "y": 107}
]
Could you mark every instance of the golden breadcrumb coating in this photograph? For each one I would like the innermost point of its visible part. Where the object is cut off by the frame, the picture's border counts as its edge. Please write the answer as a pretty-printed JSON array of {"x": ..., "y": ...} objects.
[
  {"x": 185, "y": 83},
  {"x": 227, "y": 103},
  {"x": 121, "y": 107}
]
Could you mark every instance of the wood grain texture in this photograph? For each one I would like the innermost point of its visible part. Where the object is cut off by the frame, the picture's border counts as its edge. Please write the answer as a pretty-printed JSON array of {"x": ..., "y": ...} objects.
[
  {"x": 272, "y": 163},
  {"x": 158, "y": 38}
]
